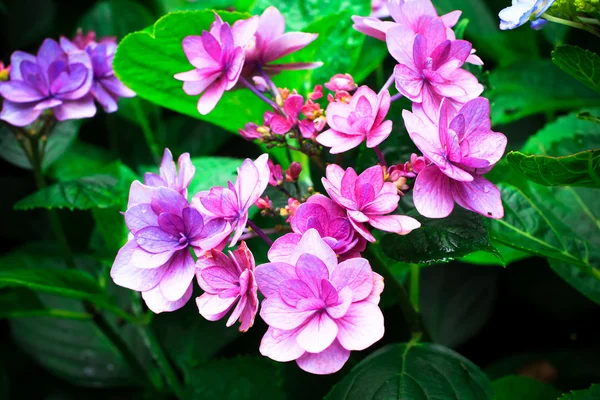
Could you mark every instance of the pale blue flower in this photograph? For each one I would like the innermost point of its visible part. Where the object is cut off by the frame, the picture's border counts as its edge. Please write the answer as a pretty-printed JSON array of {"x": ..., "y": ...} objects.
[{"x": 522, "y": 11}]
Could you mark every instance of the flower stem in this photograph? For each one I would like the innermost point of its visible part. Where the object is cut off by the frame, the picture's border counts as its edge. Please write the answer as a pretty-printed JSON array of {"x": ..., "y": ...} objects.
[
  {"x": 270, "y": 82},
  {"x": 415, "y": 272},
  {"x": 380, "y": 156},
  {"x": 573, "y": 24},
  {"x": 260, "y": 233},
  {"x": 259, "y": 94},
  {"x": 395, "y": 97},
  {"x": 387, "y": 84}
]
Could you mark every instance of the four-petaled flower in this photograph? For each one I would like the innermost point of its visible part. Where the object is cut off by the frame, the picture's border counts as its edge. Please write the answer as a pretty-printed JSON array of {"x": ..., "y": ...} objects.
[
  {"x": 367, "y": 199},
  {"x": 461, "y": 147},
  {"x": 361, "y": 119},
  {"x": 317, "y": 310},
  {"x": 225, "y": 281},
  {"x": 169, "y": 176}
]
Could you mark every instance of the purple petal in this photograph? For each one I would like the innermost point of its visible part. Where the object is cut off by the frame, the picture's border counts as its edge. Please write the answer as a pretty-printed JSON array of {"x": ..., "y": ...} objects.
[
  {"x": 143, "y": 259},
  {"x": 106, "y": 100},
  {"x": 178, "y": 277},
  {"x": 328, "y": 361},
  {"x": 213, "y": 234},
  {"x": 19, "y": 114},
  {"x": 20, "y": 92},
  {"x": 311, "y": 270},
  {"x": 269, "y": 276},
  {"x": 361, "y": 326},
  {"x": 140, "y": 216},
  {"x": 318, "y": 333},
  {"x": 276, "y": 313},
  {"x": 166, "y": 200},
  {"x": 115, "y": 87},
  {"x": 171, "y": 223},
  {"x": 76, "y": 109},
  {"x": 219, "y": 278},
  {"x": 292, "y": 291},
  {"x": 193, "y": 223},
  {"x": 158, "y": 303},
  {"x": 356, "y": 274},
  {"x": 155, "y": 240},
  {"x": 212, "y": 307},
  {"x": 49, "y": 51},
  {"x": 48, "y": 103},
  {"x": 16, "y": 59},
  {"x": 126, "y": 275}
]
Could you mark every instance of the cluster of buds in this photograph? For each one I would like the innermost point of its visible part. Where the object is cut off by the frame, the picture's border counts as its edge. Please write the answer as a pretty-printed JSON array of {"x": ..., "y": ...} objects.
[
  {"x": 401, "y": 173},
  {"x": 341, "y": 85},
  {"x": 278, "y": 175},
  {"x": 4, "y": 72}
]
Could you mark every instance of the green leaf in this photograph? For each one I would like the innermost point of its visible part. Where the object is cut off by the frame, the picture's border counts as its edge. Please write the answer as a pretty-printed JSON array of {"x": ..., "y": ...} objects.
[
  {"x": 372, "y": 56},
  {"x": 21, "y": 303},
  {"x": 181, "y": 5},
  {"x": 152, "y": 77},
  {"x": 580, "y": 169},
  {"x": 213, "y": 171},
  {"x": 509, "y": 255},
  {"x": 81, "y": 159},
  {"x": 534, "y": 87},
  {"x": 515, "y": 387},
  {"x": 416, "y": 371},
  {"x": 63, "y": 134},
  {"x": 456, "y": 301},
  {"x": 101, "y": 191},
  {"x": 581, "y": 64},
  {"x": 440, "y": 240},
  {"x": 116, "y": 18},
  {"x": 243, "y": 377},
  {"x": 590, "y": 394}
]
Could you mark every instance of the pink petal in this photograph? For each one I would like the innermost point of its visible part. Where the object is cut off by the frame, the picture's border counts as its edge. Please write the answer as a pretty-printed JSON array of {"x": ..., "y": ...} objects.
[
  {"x": 208, "y": 101},
  {"x": 140, "y": 258},
  {"x": 480, "y": 196},
  {"x": 376, "y": 136},
  {"x": 249, "y": 311},
  {"x": 400, "y": 224},
  {"x": 451, "y": 18},
  {"x": 371, "y": 26},
  {"x": 337, "y": 115},
  {"x": 157, "y": 303},
  {"x": 361, "y": 326},
  {"x": 400, "y": 41},
  {"x": 219, "y": 278},
  {"x": 237, "y": 311},
  {"x": 281, "y": 250},
  {"x": 244, "y": 29},
  {"x": 433, "y": 193},
  {"x": 338, "y": 141},
  {"x": 212, "y": 307},
  {"x": 311, "y": 270},
  {"x": 356, "y": 274},
  {"x": 286, "y": 44},
  {"x": 311, "y": 243},
  {"x": 362, "y": 230},
  {"x": 383, "y": 204},
  {"x": 280, "y": 345},
  {"x": 278, "y": 314},
  {"x": 423, "y": 134},
  {"x": 292, "y": 291},
  {"x": 328, "y": 361},
  {"x": 343, "y": 303},
  {"x": 178, "y": 277},
  {"x": 271, "y": 23},
  {"x": 378, "y": 287},
  {"x": 253, "y": 178},
  {"x": 318, "y": 333}
]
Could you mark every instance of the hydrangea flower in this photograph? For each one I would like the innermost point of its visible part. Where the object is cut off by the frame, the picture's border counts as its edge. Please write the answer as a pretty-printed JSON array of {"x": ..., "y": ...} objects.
[
  {"x": 410, "y": 17},
  {"x": 461, "y": 147},
  {"x": 292, "y": 106},
  {"x": 51, "y": 80},
  {"x": 106, "y": 87},
  {"x": 361, "y": 119},
  {"x": 331, "y": 222},
  {"x": 429, "y": 68},
  {"x": 232, "y": 203},
  {"x": 218, "y": 58},
  {"x": 341, "y": 82},
  {"x": 156, "y": 260},
  {"x": 169, "y": 176},
  {"x": 367, "y": 199},
  {"x": 522, "y": 11},
  {"x": 272, "y": 43},
  {"x": 379, "y": 9},
  {"x": 317, "y": 310},
  {"x": 225, "y": 281}
]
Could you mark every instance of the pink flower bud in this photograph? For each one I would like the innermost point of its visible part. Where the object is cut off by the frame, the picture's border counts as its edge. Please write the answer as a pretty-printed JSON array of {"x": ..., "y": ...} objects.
[
  {"x": 343, "y": 97},
  {"x": 260, "y": 83},
  {"x": 250, "y": 131},
  {"x": 293, "y": 172},
  {"x": 320, "y": 123},
  {"x": 418, "y": 164},
  {"x": 307, "y": 128},
  {"x": 267, "y": 117},
  {"x": 264, "y": 203},
  {"x": 316, "y": 94},
  {"x": 312, "y": 110},
  {"x": 276, "y": 177},
  {"x": 341, "y": 82},
  {"x": 291, "y": 208}
]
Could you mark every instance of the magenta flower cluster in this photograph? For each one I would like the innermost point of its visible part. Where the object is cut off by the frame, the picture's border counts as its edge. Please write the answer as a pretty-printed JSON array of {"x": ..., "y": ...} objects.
[{"x": 64, "y": 78}]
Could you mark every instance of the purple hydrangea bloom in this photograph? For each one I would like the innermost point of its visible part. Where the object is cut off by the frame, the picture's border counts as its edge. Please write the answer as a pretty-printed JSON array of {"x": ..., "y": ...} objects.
[
  {"x": 157, "y": 260},
  {"x": 461, "y": 147},
  {"x": 106, "y": 87},
  {"x": 522, "y": 11},
  {"x": 429, "y": 67},
  {"x": 169, "y": 176},
  {"x": 53, "y": 80},
  {"x": 218, "y": 58},
  {"x": 367, "y": 199}
]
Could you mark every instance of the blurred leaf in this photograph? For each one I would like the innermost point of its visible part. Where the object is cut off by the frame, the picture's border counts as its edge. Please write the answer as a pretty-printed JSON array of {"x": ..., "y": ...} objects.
[
  {"x": 514, "y": 387},
  {"x": 22, "y": 302},
  {"x": 416, "y": 371},
  {"x": 372, "y": 55},
  {"x": 456, "y": 301},
  {"x": 21, "y": 13},
  {"x": 581, "y": 64},
  {"x": 80, "y": 160},
  {"x": 195, "y": 137},
  {"x": 213, "y": 171},
  {"x": 152, "y": 77},
  {"x": 116, "y": 18},
  {"x": 243, "y": 377},
  {"x": 586, "y": 282},
  {"x": 555, "y": 33},
  {"x": 590, "y": 394},
  {"x": 534, "y": 87},
  {"x": 111, "y": 225},
  {"x": 509, "y": 255},
  {"x": 63, "y": 134},
  {"x": 178, "y": 5},
  {"x": 580, "y": 169},
  {"x": 440, "y": 240}
]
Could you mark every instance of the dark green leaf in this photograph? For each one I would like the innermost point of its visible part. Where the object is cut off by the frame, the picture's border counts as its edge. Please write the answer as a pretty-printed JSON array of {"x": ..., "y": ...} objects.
[
  {"x": 515, "y": 387},
  {"x": 509, "y": 255},
  {"x": 178, "y": 5},
  {"x": 456, "y": 301},
  {"x": 81, "y": 159},
  {"x": 371, "y": 57},
  {"x": 590, "y": 394},
  {"x": 525, "y": 89},
  {"x": 152, "y": 77},
  {"x": 4, "y": 392},
  {"x": 116, "y": 18},
  {"x": 240, "y": 378},
  {"x": 416, "y": 371},
  {"x": 213, "y": 171},
  {"x": 21, "y": 302},
  {"x": 440, "y": 240},
  {"x": 581, "y": 64},
  {"x": 580, "y": 169}
]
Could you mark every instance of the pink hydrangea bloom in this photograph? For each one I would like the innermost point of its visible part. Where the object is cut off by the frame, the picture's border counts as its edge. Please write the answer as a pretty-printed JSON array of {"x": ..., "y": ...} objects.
[
  {"x": 232, "y": 203},
  {"x": 409, "y": 169},
  {"x": 429, "y": 68},
  {"x": 379, "y": 9},
  {"x": 272, "y": 43},
  {"x": 462, "y": 147},
  {"x": 218, "y": 58},
  {"x": 340, "y": 82},
  {"x": 410, "y": 17},
  {"x": 331, "y": 222},
  {"x": 292, "y": 106},
  {"x": 317, "y": 310},
  {"x": 156, "y": 260},
  {"x": 367, "y": 199},
  {"x": 227, "y": 281},
  {"x": 359, "y": 120},
  {"x": 169, "y": 176}
]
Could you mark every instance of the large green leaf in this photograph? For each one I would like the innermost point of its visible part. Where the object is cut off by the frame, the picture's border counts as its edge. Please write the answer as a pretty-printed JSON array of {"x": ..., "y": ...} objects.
[
  {"x": 240, "y": 378},
  {"x": 580, "y": 169},
  {"x": 581, "y": 64},
  {"x": 590, "y": 394},
  {"x": 22, "y": 302},
  {"x": 525, "y": 89},
  {"x": 180, "y": 5},
  {"x": 213, "y": 171},
  {"x": 146, "y": 61},
  {"x": 116, "y": 18},
  {"x": 515, "y": 387},
  {"x": 415, "y": 371},
  {"x": 456, "y": 300},
  {"x": 440, "y": 240},
  {"x": 81, "y": 159},
  {"x": 61, "y": 137}
]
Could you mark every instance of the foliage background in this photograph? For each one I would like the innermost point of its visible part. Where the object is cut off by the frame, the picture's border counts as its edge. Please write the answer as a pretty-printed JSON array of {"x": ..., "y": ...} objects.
[{"x": 529, "y": 318}]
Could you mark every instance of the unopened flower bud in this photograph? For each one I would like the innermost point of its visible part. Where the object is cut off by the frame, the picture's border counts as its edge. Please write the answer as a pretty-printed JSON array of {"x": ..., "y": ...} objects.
[
  {"x": 260, "y": 83},
  {"x": 293, "y": 172},
  {"x": 343, "y": 97},
  {"x": 316, "y": 94},
  {"x": 341, "y": 82},
  {"x": 250, "y": 131},
  {"x": 276, "y": 177},
  {"x": 264, "y": 203}
]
